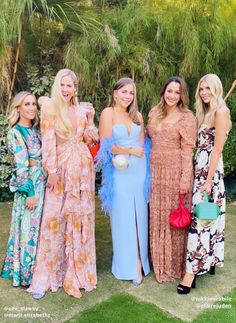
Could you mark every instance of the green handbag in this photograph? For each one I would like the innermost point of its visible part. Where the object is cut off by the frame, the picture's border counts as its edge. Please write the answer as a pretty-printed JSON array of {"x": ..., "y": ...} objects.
[{"x": 207, "y": 210}]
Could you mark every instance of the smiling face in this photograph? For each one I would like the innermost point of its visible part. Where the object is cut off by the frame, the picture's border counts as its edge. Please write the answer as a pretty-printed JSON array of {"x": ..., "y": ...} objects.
[
  {"x": 205, "y": 92},
  {"x": 27, "y": 110},
  {"x": 124, "y": 96},
  {"x": 68, "y": 88},
  {"x": 172, "y": 94}
]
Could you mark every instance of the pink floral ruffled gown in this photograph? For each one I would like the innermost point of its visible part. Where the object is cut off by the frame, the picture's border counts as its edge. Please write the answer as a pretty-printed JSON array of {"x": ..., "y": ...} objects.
[{"x": 66, "y": 254}]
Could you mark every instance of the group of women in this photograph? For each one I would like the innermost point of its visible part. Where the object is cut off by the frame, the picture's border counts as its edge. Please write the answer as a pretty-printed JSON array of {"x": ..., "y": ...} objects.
[{"x": 52, "y": 241}]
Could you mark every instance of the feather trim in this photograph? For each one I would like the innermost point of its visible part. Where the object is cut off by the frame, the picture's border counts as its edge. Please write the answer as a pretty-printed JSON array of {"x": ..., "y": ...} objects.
[{"x": 104, "y": 158}]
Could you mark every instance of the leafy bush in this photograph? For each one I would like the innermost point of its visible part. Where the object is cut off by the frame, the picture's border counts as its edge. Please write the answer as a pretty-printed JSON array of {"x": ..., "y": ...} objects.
[
  {"x": 230, "y": 146},
  {"x": 40, "y": 85}
]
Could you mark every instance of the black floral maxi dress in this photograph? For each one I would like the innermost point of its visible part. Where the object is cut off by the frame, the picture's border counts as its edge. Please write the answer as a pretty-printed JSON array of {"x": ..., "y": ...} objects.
[{"x": 206, "y": 238}]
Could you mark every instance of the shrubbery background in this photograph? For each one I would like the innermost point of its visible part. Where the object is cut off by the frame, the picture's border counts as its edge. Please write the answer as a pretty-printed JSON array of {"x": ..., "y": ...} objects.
[{"x": 103, "y": 40}]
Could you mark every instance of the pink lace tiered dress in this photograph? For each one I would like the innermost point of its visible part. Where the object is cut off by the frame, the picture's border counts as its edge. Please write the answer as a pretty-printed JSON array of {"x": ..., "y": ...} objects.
[{"x": 171, "y": 164}]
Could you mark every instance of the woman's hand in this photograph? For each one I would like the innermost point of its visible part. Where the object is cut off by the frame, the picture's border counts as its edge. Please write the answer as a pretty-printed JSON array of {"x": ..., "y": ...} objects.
[
  {"x": 52, "y": 181},
  {"x": 137, "y": 151},
  {"x": 30, "y": 203},
  {"x": 207, "y": 187},
  {"x": 90, "y": 112},
  {"x": 183, "y": 188}
]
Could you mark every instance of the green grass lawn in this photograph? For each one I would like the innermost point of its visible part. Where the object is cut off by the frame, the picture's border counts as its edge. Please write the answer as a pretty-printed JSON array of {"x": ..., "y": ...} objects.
[
  {"x": 125, "y": 308},
  {"x": 117, "y": 301}
]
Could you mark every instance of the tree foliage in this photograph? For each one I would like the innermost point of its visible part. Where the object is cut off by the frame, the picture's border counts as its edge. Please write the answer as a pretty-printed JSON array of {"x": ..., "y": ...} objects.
[
  {"x": 152, "y": 41},
  {"x": 103, "y": 40}
]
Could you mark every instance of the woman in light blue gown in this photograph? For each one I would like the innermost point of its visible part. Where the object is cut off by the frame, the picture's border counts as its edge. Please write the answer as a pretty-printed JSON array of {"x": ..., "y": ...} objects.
[{"x": 125, "y": 170}]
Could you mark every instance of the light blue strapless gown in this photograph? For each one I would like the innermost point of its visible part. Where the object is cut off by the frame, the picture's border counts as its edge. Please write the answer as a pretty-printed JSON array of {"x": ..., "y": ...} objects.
[{"x": 129, "y": 217}]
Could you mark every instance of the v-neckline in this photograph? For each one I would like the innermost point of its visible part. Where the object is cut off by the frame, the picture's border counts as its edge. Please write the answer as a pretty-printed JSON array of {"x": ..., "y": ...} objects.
[
  {"x": 128, "y": 129},
  {"x": 73, "y": 120}
]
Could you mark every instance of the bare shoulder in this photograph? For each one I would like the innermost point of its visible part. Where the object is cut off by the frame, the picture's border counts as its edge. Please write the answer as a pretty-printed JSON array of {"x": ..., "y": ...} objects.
[
  {"x": 222, "y": 118},
  {"x": 47, "y": 105},
  {"x": 107, "y": 113},
  {"x": 223, "y": 111}
]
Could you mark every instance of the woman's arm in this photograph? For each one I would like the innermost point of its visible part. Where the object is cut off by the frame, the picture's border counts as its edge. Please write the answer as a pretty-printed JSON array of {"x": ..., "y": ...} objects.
[
  {"x": 90, "y": 132},
  {"x": 21, "y": 181},
  {"x": 188, "y": 133},
  {"x": 105, "y": 124},
  {"x": 142, "y": 133},
  {"x": 222, "y": 119}
]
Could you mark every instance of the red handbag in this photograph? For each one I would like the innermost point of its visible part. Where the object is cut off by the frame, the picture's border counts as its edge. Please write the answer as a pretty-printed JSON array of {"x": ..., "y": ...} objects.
[
  {"x": 180, "y": 217},
  {"x": 94, "y": 148}
]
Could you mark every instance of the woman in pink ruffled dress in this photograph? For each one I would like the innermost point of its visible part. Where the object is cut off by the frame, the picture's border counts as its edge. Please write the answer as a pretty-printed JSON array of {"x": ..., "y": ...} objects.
[{"x": 66, "y": 253}]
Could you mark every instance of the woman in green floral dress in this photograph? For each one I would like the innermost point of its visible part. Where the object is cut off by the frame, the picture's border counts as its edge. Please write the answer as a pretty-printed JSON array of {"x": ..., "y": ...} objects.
[{"x": 27, "y": 183}]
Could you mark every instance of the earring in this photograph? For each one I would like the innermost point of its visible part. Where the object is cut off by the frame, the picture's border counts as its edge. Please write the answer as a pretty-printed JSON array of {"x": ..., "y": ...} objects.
[{"x": 76, "y": 93}]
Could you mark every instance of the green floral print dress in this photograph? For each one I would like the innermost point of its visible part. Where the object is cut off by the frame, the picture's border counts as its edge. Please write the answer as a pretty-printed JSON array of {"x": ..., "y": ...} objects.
[{"x": 28, "y": 179}]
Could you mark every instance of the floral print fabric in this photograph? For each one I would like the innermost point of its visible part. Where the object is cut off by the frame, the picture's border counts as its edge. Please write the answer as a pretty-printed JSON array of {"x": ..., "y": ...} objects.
[
  {"x": 66, "y": 254},
  {"x": 206, "y": 238},
  {"x": 24, "y": 143},
  {"x": 170, "y": 163}
]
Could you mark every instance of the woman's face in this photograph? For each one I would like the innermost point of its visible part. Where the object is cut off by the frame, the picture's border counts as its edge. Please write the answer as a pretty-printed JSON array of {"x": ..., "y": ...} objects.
[
  {"x": 205, "y": 92},
  {"x": 68, "y": 88},
  {"x": 27, "y": 110},
  {"x": 124, "y": 96},
  {"x": 172, "y": 94}
]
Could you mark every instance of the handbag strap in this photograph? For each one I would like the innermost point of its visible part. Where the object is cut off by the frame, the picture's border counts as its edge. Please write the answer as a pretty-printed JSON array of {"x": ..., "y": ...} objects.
[
  {"x": 206, "y": 196},
  {"x": 181, "y": 200}
]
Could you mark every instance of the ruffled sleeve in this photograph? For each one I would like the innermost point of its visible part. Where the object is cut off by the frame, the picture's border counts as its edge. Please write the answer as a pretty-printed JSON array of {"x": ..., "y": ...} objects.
[
  {"x": 49, "y": 155},
  {"x": 20, "y": 181},
  {"x": 188, "y": 134},
  {"x": 92, "y": 132}
]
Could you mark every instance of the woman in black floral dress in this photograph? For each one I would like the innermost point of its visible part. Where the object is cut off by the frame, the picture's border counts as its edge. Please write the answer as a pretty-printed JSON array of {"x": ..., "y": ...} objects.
[{"x": 206, "y": 238}]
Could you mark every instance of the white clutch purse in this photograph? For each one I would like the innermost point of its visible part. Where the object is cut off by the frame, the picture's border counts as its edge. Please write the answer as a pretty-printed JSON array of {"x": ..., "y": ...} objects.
[{"x": 120, "y": 162}]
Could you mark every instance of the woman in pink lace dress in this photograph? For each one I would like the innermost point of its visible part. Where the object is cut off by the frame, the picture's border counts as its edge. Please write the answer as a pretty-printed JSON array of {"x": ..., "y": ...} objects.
[
  {"x": 66, "y": 253},
  {"x": 172, "y": 128}
]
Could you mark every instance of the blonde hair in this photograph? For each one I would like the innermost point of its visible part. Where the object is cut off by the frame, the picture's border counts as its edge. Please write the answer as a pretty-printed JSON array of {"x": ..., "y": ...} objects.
[
  {"x": 62, "y": 120},
  {"x": 183, "y": 102},
  {"x": 14, "y": 115},
  {"x": 216, "y": 102},
  {"x": 132, "y": 109}
]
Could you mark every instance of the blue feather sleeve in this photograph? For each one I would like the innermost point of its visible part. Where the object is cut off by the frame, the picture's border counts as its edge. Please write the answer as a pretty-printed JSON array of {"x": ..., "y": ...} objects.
[{"x": 104, "y": 158}]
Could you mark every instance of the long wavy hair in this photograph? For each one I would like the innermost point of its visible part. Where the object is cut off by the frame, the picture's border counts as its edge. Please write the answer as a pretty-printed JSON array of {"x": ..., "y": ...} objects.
[
  {"x": 216, "y": 102},
  {"x": 63, "y": 123},
  {"x": 183, "y": 102},
  {"x": 132, "y": 109},
  {"x": 14, "y": 115}
]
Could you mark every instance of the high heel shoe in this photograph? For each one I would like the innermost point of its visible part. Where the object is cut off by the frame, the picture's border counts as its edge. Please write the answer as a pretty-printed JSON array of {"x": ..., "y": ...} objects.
[
  {"x": 181, "y": 289},
  {"x": 38, "y": 295},
  {"x": 137, "y": 281},
  {"x": 212, "y": 270}
]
